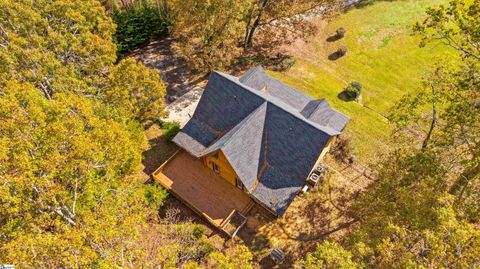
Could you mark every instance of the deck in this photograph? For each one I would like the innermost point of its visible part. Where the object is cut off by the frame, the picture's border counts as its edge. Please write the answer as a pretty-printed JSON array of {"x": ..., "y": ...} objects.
[{"x": 221, "y": 203}]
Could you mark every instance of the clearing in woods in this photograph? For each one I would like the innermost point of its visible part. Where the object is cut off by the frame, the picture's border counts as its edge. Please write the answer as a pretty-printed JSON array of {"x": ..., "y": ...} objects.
[{"x": 385, "y": 58}]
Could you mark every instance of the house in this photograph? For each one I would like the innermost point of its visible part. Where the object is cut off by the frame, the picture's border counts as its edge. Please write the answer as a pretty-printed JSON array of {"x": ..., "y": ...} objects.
[{"x": 255, "y": 134}]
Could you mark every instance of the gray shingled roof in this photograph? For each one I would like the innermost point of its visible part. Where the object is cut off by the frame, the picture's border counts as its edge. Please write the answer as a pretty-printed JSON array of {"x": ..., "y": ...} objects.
[
  {"x": 274, "y": 136},
  {"x": 256, "y": 78},
  {"x": 318, "y": 111}
]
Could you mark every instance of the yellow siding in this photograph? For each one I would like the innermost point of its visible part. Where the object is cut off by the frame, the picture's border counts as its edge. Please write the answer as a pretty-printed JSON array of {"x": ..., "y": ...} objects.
[{"x": 226, "y": 170}]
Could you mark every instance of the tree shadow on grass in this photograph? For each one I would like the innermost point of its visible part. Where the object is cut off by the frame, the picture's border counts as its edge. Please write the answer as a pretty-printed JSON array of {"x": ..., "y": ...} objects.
[
  {"x": 344, "y": 96},
  {"x": 159, "y": 150},
  {"x": 335, "y": 56},
  {"x": 333, "y": 38}
]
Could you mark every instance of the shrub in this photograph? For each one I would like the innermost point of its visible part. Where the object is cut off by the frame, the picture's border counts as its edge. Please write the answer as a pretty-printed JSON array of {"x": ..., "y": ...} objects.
[
  {"x": 197, "y": 231},
  {"x": 285, "y": 64},
  {"x": 155, "y": 195},
  {"x": 170, "y": 130},
  {"x": 342, "y": 149},
  {"x": 136, "y": 25},
  {"x": 340, "y": 32},
  {"x": 342, "y": 50},
  {"x": 353, "y": 90},
  {"x": 328, "y": 255}
]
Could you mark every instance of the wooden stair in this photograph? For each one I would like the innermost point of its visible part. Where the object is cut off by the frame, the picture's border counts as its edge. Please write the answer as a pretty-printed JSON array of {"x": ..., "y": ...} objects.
[{"x": 247, "y": 208}]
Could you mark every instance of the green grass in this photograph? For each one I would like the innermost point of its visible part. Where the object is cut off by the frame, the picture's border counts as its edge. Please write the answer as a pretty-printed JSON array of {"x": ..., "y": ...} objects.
[{"x": 383, "y": 56}]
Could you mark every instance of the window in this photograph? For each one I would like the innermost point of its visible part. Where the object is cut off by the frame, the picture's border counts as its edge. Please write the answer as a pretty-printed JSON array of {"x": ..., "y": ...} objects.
[
  {"x": 215, "y": 168},
  {"x": 238, "y": 183}
]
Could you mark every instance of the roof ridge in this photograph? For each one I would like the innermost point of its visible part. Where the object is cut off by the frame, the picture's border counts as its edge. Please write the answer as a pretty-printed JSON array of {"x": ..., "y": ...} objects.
[
  {"x": 245, "y": 120},
  {"x": 317, "y": 106},
  {"x": 241, "y": 125},
  {"x": 248, "y": 75},
  {"x": 272, "y": 99}
]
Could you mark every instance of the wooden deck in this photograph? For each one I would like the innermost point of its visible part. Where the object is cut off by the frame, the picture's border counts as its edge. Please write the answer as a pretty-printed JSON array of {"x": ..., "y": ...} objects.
[{"x": 203, "y": 190}]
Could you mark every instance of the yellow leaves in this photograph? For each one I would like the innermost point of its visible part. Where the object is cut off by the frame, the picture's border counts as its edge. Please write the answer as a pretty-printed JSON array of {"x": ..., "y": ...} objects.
[
  {"x": 328, "y": 255},
  {"x": 235, "y": 257},
  {"x": 209, "y": 39},
  {"x": 140, "y": 95},
  {"x": 69, "y": 137}
]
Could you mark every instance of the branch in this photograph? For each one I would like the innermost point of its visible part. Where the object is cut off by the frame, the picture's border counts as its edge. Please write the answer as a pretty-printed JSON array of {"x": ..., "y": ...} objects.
[
  {"x": 58, "y": 211},
  {"x": 434, "y": 117},
  {"x": 75, "y": 197},
  {"x": 452, "y": 43}
]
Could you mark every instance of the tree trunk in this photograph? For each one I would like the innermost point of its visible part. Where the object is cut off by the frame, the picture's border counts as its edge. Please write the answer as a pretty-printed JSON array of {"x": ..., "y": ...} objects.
[
  {"x": 251, "y": 29},
  {"x": 461, "y": 184},
  {"x": 247, "y": 28},
  {"x": 434, "y": 119}
]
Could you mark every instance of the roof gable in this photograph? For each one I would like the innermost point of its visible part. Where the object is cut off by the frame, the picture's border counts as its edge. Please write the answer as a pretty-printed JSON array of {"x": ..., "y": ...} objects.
[
  {"x": 241, "y": 146},
  {"x": 320, "y": 112}
]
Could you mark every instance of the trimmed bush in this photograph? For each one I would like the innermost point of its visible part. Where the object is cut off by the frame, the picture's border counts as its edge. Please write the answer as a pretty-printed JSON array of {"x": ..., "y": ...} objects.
[
  {"x": 353, "y": 90},
  {"x": 136, "y": 25},
  {"x": 170, "y": 130}
]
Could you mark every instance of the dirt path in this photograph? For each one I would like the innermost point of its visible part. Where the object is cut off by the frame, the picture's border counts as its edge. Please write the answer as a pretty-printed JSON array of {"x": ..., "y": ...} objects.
[{"x": 173, "y": 69}]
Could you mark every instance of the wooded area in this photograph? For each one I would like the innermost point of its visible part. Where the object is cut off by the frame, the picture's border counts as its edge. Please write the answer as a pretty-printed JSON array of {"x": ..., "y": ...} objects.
[{"x": 75, "y": 112}]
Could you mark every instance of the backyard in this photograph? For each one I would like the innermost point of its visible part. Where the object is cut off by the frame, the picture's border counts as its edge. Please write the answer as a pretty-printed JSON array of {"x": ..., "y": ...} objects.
[{"x": 383, "y": 55}]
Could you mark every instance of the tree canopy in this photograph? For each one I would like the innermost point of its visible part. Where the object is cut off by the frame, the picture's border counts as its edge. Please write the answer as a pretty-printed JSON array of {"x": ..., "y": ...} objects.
[
  {"x": 70, "y": 137},
  {"x": 422, "y": 209},
  {"x": 212, "y": 33}
]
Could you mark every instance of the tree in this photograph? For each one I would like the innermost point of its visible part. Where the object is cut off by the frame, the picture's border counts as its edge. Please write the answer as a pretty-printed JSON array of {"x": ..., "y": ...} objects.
[
  {"x": 140, "y": 95},
  {"x": 66, "y": 46},
  {"x": 70, "y": 139},
  {"x": 137, "y": 22},
  {"x": 286, "y": 15},
  {"x": 209, "y": 31},
  {"x": 328, "y": 255},
  {"x": 213, "y": 36},
  {"x": 422, "y": 209},
  {"x": 237, "y": 257},
  {"x": 408, "y": 218},
  {"x": 54, "y": 170},
  {"x": 452, "y": 92}
]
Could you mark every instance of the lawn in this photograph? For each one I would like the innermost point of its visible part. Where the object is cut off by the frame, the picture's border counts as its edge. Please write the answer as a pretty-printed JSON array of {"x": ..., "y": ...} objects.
[{"x": 383, "y": 55}]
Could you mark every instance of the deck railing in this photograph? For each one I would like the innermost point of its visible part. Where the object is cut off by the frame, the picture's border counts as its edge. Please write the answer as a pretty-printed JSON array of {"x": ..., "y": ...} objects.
[{"x": 158, "y": 176}]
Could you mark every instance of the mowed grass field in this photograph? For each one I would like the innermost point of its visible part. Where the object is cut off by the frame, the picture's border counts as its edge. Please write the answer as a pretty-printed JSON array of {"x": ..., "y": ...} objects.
[{"x": 383, "y": 55}]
